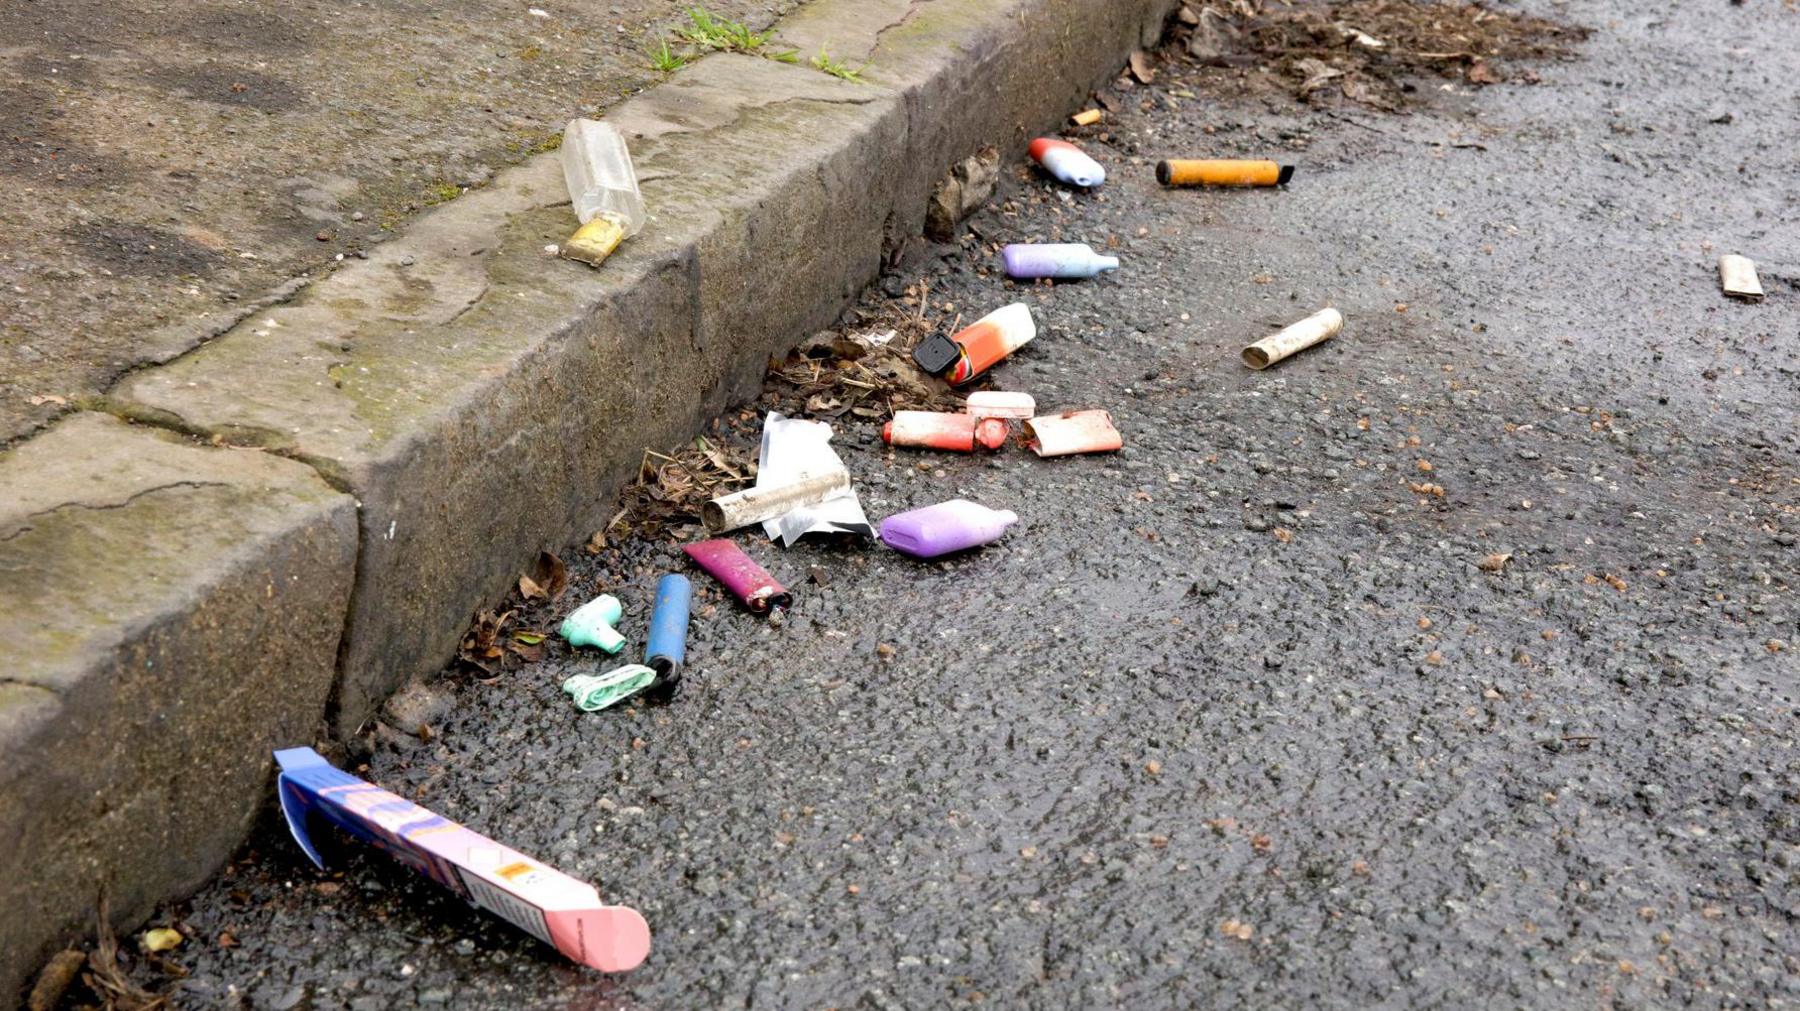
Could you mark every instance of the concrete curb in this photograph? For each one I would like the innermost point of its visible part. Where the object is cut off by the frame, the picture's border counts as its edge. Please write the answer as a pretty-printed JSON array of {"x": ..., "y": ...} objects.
[{"x": 481, "y": 400}]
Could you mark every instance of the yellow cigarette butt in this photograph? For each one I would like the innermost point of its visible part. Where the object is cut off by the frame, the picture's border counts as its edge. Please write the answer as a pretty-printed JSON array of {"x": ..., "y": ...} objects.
[
  {"x": 1222, "y": 172},
  {"x": 1086, "y": 117}
]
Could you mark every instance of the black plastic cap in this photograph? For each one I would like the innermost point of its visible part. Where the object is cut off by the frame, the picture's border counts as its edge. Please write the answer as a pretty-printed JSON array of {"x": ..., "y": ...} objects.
[
  {"x": 1287, "y": 172},
  {"x": 1162, "y": 172},
  {"x": 935, "y": 354}
]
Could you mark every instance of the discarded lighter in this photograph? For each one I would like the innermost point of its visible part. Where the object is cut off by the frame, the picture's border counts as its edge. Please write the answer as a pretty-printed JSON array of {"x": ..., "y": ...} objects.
[
  {"x": 1067, "y": 162},
  {"x": 1061, "y": 260},
  {"x": 1737, "y": 276},
  {"x": 744, "y": 578},
  {"x": 974, "y": 349},
  {"x": 753, "y": 505},
  {"x": 945, "y": 527},
  {"x": 592, "y": 623},
  {"x": 1298, "y": 337},
  {"x": 1072, "y": 432},
  {"x": 603, "y": 187},
  {"x": 557, "y": 909},
  {"x": 1222, "y": 172},
  {"x": 931, "y": 430},
  {"x": 1001, "y": 404},
  {"x": 667, "y": 649},
  {"x": 594, "y": 692}
]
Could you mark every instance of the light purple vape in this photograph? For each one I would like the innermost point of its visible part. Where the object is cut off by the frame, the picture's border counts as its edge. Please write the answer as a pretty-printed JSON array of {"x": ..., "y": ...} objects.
[
  {"x": 744, "y": 578},
  {"x": 1062, "y": 260},
  {"x": 945, "y": 527}
]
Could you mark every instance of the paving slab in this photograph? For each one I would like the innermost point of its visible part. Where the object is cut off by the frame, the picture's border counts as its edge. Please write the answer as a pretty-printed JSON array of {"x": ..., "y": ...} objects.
[
  {"x": 170, "y": 613},
  {"x": 166, "y": 168}
]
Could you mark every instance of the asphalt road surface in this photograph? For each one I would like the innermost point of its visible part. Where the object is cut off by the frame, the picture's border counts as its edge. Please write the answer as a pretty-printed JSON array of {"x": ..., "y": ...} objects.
[{"x": 1234, "y": 717}]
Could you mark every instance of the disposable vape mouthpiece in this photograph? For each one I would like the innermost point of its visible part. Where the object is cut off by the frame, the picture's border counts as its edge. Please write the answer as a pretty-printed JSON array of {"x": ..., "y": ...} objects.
[
  {"x": 1067, "y": 162},
  {"x": 592, "y": 623},
  {"x": 1060, "y": 260}
]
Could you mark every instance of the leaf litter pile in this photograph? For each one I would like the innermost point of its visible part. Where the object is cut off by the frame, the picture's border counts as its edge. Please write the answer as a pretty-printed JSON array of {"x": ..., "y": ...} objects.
[
  {"x": 1363, "y": 50},
  {"x": 865, "y": 371}
]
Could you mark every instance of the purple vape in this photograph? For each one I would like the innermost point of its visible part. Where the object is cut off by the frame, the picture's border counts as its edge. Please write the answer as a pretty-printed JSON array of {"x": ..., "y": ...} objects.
[
  {"x": 1062, "y": 260},
  {"x": 945, "y": 527}
]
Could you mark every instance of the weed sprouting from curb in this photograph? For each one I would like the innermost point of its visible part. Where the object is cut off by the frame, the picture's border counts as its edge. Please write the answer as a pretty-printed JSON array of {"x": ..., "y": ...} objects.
[
  {"x": 666, "y": 60},
  {"x": 838, "y": 68},
  {"x": 708, "y": 33}
]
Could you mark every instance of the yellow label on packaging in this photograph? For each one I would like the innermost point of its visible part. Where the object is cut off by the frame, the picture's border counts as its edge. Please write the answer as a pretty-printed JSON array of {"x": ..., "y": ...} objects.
[{"x": 593, "y": 242}]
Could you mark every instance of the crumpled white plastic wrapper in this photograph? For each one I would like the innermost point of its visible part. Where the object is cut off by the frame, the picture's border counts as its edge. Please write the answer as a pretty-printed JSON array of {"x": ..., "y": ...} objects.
[{"x": 791, "y": 448}]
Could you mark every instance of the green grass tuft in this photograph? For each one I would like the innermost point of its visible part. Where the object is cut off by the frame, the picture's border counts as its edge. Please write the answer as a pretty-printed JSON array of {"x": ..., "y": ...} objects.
[{"x": 838, "y": 68}]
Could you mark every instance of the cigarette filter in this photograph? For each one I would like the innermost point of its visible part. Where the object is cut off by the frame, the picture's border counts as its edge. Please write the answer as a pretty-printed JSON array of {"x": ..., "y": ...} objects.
[
  {"x": 1072, "y": 432},
  {"x": 1222, "y": 172},
  {"x": 557, "y": 909},
  {"x": 1302, "y": 335},
  {"x": 743, "y": 577},
  {"x": 931, "y": 430},
  {"x": 1001, "y": 404},
  {"x": 753, "y": 505}
]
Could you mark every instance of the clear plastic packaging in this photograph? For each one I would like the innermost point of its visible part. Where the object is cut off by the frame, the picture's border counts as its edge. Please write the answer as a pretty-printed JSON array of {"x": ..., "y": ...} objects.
[{"x": 597, "y": 166}]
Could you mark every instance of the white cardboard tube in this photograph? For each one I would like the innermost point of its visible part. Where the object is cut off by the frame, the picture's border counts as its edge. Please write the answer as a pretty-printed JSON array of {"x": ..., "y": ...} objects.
[
  {"x": 1302, "y": 335},
  {"x": 753, "y": 505}
]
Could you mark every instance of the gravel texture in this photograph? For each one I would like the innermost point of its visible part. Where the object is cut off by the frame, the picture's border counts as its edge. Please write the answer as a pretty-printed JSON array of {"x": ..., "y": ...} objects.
[{"x": 1237, "y": 716}]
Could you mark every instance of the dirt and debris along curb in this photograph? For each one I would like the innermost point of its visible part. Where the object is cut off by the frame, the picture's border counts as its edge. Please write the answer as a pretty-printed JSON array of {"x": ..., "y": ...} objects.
[{"x": 473, "y": 400}]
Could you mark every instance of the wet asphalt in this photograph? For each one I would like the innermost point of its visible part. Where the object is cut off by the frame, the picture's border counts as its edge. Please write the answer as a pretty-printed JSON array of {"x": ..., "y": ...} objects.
[{"x": 1233, "y": 717}]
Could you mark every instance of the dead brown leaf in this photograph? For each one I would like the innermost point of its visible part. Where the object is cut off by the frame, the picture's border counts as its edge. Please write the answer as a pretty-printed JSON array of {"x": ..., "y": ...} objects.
[
  {"x": 108, "y": 979},
  {"x": 1141, "y": 68},
  {"x": 480, "y": 647},
  {"x": 547, "y": 580},
  {"x": 1494, "y": 562},
  {"x": 1483, "y": 72}
]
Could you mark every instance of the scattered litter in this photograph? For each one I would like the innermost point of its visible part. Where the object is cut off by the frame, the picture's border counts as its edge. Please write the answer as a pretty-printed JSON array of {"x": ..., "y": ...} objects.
[
  {"x": 831, "y": 376},
  {"x": 1087, "y": 117},
  {"x": 667, "y": 649},
  {"x": 794, "y": 451},
  {"x": 592, "y": 623},
  {"x": 557, "y": 909},
  {"x": 975, "y": 349},
  {"x": 1222, "y": 172},
  {"x": 1315, "y": 328},
  {"x": 769, "y": 500},
  {"x": 948, "y": 526},
  {"x": 594, "y": 692},
  {"x": 1494, "y": 562},
  {"x": 161, "y": 939},
  {"x": 1072, "y": 432},
  {"x": 746, "y": 580},
  {"x": 1737, "y": 275},
  {"x": 1067, "y": 162},
  {"x": 597, "y": 167},
  {"x": 1061, "y": 260},
  {"x": 671, "y": 488},
  {"x": 1007, "y": 404},
  {"x": 959, "y": 433}
]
